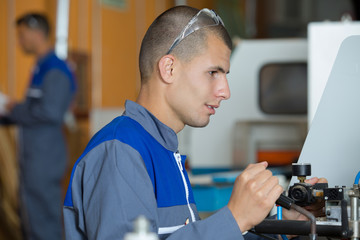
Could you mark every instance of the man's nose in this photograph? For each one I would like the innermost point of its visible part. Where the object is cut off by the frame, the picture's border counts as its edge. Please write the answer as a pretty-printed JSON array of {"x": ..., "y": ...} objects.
[{"x": 224, "y": 90}]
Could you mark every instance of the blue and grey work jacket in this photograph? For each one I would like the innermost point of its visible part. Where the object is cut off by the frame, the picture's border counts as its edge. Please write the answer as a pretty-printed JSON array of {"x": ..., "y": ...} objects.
[
  {"x": 132, "y": 167},
  {"x": 40, "y": 117}
]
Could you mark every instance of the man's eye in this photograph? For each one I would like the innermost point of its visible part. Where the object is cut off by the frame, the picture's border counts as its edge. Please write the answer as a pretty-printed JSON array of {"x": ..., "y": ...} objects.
[{"x": 212, "y": 73}]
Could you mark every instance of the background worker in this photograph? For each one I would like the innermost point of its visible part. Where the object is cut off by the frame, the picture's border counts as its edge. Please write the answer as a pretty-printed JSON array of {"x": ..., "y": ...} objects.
[
  {"x": 132, "y": 166},
  {"x": 42, "y": 155}
]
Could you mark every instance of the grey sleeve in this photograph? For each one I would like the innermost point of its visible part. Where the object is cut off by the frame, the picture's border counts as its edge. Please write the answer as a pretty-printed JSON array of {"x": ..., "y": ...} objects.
[
  {"x": 111, "y": 188},
  {"x": 50, "y": 107},
  {"x": 220, "y": 225}
]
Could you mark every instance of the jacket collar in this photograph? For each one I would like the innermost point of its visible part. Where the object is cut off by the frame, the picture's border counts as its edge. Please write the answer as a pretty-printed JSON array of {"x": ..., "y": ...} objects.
[{"x": 162, "y": 133}]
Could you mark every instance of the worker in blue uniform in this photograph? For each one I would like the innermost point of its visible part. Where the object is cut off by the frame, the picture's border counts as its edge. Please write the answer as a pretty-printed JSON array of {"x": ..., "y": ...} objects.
[
  {"x": 42, "y": 150},
  {"x": 133, "y": 167}
]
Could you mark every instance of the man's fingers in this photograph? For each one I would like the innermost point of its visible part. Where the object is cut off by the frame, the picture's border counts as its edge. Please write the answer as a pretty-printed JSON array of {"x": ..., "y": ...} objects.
[
  {"x": 323, "y": 180},
  {"x": 314, "y": 180},
  {"x": 254, "y": 169},
  {"x": 272, "y": 187},
  {"x": 263, "y": 177},
  {"x": 277, "y": 191},
  {"x": 256, "y": 165},
  {"x": 254, "y": 176},
  {"x": 254, "y": 194},
  {"x": 259, "y": 178}
]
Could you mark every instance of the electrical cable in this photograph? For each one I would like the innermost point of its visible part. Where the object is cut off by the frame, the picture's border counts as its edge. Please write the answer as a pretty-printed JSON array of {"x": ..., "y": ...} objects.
[
  {"x": 311, "y": 217},
  {"x": 279, "y": 217},
  {"x": 288, "y": 203},
  {"x": 357, "y": 178}
]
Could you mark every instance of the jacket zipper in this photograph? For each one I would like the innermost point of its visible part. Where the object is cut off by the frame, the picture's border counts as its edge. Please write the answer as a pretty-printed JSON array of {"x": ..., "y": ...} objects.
[{"x": 178, "y": 161}]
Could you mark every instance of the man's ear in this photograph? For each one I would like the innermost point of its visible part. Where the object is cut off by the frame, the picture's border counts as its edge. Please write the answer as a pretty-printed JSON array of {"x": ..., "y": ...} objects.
[{"x": 166, "y": 67}]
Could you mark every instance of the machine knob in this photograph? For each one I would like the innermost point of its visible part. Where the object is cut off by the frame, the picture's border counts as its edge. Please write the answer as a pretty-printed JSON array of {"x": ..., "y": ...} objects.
[
  {"x": 299, "y": 193},
  {"x": 301, "y": 169}
]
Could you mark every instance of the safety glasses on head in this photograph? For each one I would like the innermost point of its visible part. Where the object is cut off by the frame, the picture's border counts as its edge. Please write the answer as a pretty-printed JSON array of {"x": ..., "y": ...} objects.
[
  {"x": 204, "y": 18},
  {"x": 31, "y": 21}
]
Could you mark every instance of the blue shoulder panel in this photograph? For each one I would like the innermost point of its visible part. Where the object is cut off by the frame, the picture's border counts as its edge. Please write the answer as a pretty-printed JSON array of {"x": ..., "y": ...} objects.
[
  {"x": 160, "y": 162},
  {"x": 50, "y": 62},
  {"x": 105, "y": 134}
]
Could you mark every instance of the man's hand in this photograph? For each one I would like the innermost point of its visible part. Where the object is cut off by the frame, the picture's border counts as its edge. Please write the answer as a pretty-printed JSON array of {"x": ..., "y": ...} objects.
[
  {"x": 4, "y": 99},
  {"x": 254, "y": 194},
  {"x": 6, "y": 104},
  {"x": 317, "y": 208},
  {"x": 10, "y": 104},
  {"x": 7, "y": 107}
]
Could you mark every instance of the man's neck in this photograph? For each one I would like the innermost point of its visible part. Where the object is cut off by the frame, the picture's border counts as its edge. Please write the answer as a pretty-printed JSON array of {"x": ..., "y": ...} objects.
[
  {"x": 42, "y": 50},
  {"x": 154, "y": 103}
]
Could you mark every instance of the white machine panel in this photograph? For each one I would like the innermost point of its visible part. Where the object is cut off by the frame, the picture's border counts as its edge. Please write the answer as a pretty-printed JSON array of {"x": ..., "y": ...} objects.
[
  {"x": 332, "y": 145},
  {"x": 324, "y": 39}
]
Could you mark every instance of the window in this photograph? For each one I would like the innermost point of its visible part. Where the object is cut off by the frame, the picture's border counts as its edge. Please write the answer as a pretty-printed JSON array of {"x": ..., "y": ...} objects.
[{"x": 283, "y": 88}]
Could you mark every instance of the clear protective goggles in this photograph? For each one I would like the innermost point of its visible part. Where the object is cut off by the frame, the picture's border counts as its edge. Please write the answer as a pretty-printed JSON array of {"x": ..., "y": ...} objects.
[
  {"x": 204, "y": 18},
  {"x": 31, "y": 21}
]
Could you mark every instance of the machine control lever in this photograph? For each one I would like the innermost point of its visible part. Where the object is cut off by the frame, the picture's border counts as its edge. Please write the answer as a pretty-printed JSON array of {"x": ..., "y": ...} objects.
[{"x": 284, "y": 201}]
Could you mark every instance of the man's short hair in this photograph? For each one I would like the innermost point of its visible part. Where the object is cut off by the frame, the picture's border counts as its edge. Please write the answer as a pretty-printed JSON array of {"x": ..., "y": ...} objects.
[
  {"x": 35, "y": 21},
  {"x": 162, "y": 33}
]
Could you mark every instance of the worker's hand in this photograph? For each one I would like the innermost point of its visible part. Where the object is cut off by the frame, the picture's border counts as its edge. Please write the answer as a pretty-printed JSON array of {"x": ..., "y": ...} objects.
[
  {"x": 254, "y": 194},
  {"x": 4, "y": 100},
  {"x": 10, "y": 105},
  {"x": 317, "y": 208}
]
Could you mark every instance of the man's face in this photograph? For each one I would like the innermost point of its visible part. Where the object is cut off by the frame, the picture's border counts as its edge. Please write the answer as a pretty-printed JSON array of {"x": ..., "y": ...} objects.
[
  {"x": 201, "y": 85},
  {"x": 27, "y": 37}
]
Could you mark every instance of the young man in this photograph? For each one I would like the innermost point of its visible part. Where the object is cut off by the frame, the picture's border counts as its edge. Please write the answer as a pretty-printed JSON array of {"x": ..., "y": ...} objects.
[
  {"x": 132, "y": 166},
  {"x": 42, "y": 155}
]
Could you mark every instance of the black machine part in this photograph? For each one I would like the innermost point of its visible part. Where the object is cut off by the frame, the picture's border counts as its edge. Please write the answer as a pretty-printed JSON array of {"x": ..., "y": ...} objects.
[
  {"x": 301, "y": 170},
  {"x": 293, "y": 227},
  {"x": 284, "y": 201},
  {"x": 302, "y": 193}
]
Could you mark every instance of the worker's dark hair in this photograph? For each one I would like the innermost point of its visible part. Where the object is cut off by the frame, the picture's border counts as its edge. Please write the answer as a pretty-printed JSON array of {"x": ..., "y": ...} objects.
[
  {"x": 35, "y": 21},
  {"x": 162, "y": 33}
]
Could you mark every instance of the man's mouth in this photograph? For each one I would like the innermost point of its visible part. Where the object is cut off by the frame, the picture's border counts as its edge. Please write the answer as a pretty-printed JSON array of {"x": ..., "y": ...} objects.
[{"x": 212, "y": 108}]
